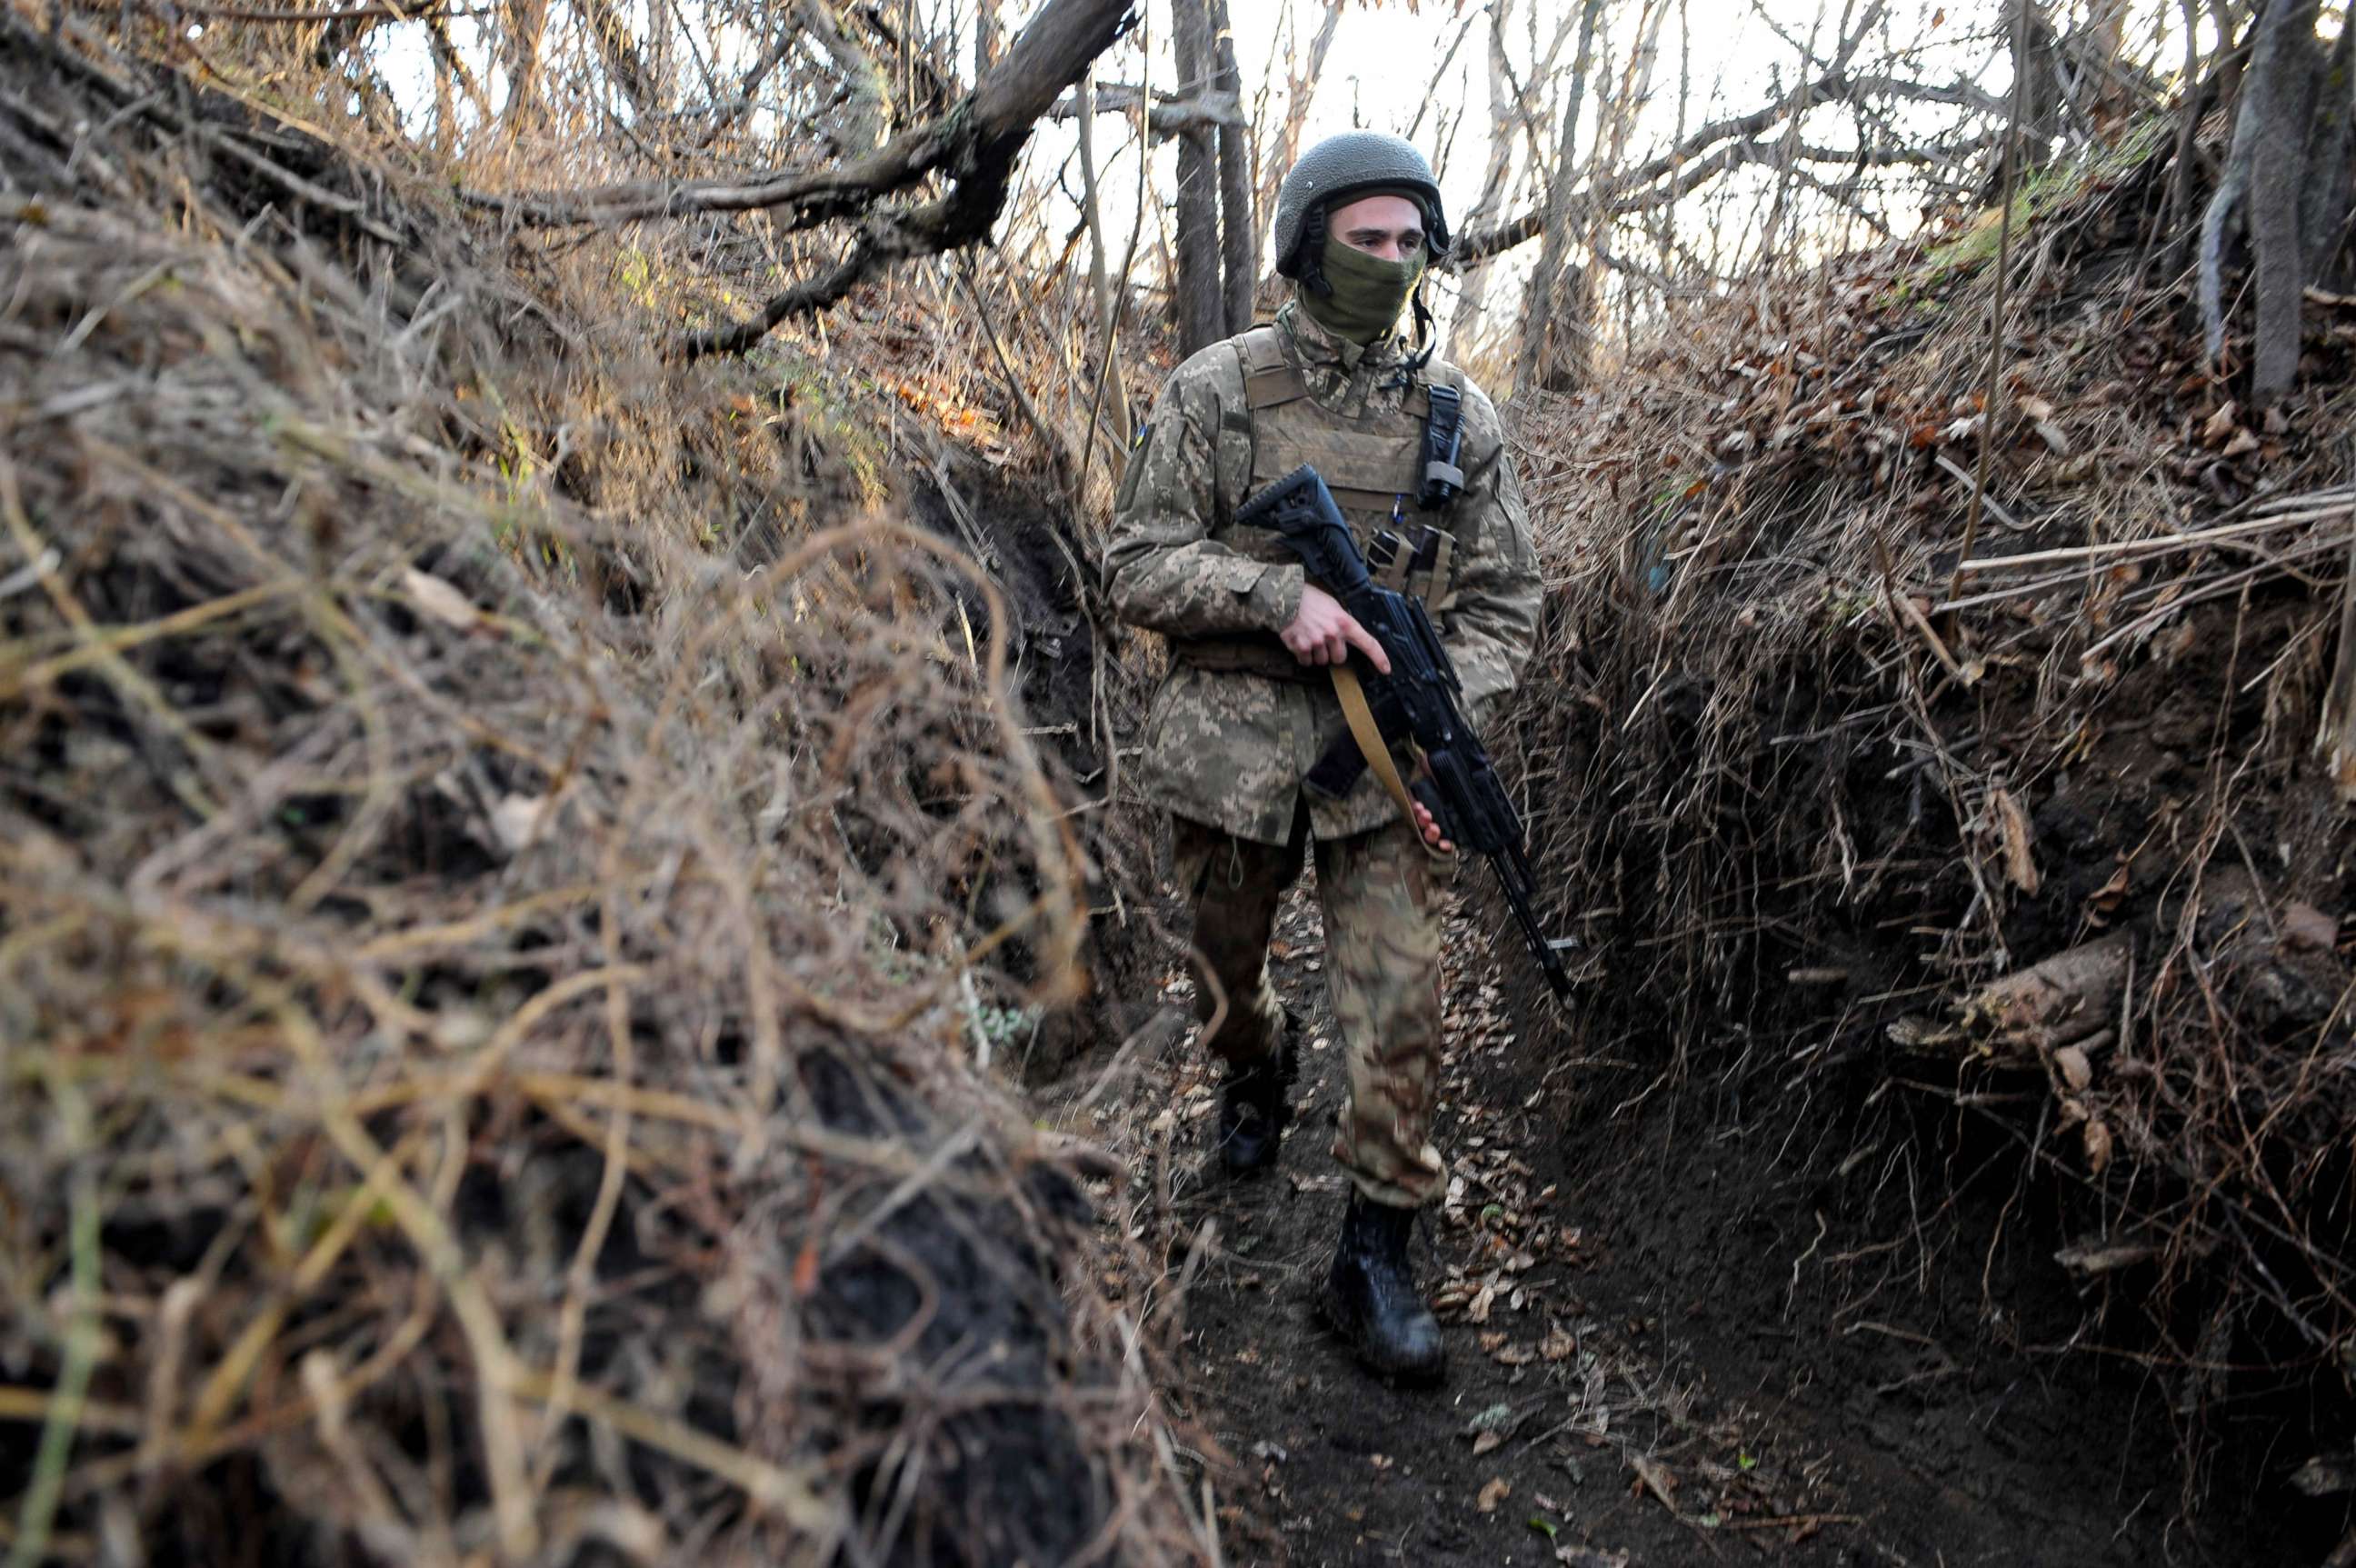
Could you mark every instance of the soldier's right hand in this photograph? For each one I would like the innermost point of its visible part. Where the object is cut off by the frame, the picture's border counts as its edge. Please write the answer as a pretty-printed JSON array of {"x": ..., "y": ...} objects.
[{"x": 1323, "y": 632}]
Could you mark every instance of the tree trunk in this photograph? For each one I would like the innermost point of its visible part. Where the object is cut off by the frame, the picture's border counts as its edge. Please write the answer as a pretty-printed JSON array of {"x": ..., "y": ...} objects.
[
  {"x": 1580, "y": 306},
  {"x": 1504, "y": 109},
  {"x": 1239, "y": 257},
  {"x": 1100, "y": 284},
  {"x": 617, "y": 50},
  {"x": 2280, "y": 96},
  {"x": 867, "y": 91},
  {"x": 526, "y": 21},
  {"x": 2323, "y": 197},
  {"x": 986, "y": 29},
  {"x": 1201, "y": 310},
  {"x": 2035, "y": 52},
  {"x": 450, "y": 67},
  {"x": 1559, "y": 180}
]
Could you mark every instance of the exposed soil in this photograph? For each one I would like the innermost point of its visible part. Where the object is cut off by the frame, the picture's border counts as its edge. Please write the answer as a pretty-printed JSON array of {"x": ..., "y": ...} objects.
[{"x": 1676, "y": 1349}]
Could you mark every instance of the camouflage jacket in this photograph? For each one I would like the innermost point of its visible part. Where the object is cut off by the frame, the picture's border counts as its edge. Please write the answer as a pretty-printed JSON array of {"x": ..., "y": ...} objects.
[{"x": 1230, "y": 746}]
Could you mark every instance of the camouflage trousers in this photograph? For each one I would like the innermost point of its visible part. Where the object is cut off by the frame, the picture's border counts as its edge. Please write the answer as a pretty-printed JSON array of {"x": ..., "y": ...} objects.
[{"x": 1381, "y": 895}]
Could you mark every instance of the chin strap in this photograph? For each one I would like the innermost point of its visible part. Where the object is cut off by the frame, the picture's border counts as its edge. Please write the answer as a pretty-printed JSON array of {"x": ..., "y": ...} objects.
[
  {"x": 1411, "y": 365},
  {"x": 1426, "y": 332},
  {"x": 1311, "y": 270}
]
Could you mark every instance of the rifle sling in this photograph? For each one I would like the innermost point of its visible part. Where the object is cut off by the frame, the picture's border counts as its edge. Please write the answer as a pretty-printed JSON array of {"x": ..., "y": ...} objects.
[{"x": 1360, "y": 716}]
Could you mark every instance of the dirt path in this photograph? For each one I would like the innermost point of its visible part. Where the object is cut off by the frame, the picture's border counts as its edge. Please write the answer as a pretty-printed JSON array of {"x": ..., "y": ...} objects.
[{"x": 1634, "y": 1378}]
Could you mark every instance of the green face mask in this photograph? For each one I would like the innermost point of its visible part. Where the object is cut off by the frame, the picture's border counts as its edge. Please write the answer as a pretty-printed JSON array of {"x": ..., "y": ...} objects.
[{"x": 1368, "y": 293}]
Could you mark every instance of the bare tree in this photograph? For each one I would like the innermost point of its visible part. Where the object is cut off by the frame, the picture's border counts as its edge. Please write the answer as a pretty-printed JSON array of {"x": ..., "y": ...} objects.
[
  {"x": 527, "y": 20},
  {"x": 1557, "y": 230},
  {"x": 2287, "y": 177},
  {"x": 1300, "y": 89},
  {"x": 867, "y": 91},
  {"x": 1199, "y": 299},
  {"x": 1239, "y": 254}
]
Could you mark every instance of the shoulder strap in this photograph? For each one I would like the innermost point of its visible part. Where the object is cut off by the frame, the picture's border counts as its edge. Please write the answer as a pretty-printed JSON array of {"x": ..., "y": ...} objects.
[
  {"x": 1440, "y": 478},
  {"x": 1364, "y": 729},
  {"x": 1269, "y": 377}
]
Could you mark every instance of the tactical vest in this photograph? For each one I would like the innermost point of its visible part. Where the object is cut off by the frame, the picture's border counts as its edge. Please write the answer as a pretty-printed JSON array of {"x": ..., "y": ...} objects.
[{"x": 1373, "y": 464}]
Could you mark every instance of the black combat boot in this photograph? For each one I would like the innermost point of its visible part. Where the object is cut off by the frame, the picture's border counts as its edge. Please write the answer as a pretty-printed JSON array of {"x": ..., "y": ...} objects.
[
  {"x": 1253, "y": 1109},
  {"x": 1371, "y": 1298}
]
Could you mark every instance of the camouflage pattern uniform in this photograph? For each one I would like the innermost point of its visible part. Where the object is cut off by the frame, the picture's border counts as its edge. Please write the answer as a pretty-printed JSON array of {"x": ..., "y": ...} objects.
[{"x": 1238, "y": 722}]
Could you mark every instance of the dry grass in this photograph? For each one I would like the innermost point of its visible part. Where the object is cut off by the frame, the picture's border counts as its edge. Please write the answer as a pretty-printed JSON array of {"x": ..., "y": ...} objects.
[
  {"x": 505, "y": 865},
  {"x": 1809, "y": 776}
]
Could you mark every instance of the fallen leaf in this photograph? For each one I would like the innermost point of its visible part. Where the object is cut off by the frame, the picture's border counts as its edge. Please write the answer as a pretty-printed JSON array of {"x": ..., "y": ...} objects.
[
  {"x": 2012, "y": 824},
  {"x": 1515, "y": 1356},
  {"x": 516, "y": 820},
  {"x": 2105, "y": 898},
  {"x": 1651, "y": 1477},
  {"x": 2075, "y": 1069},
  {"x": 2098, "y": 1146},
  {"x": 1588, "y": 1557},
  {"x": 1558, "y": 1345},
  {"x": 2307, "y": 928},
  {"x": 2099, "y": 1257},
  {"x": 2325, "y": 1476},
  {"x": 1485, "y": 1441},
  {"x": 2221, "y": 425},
  {"x": 1495, "y": 1492},
  {"x": 439, "y": 599}
]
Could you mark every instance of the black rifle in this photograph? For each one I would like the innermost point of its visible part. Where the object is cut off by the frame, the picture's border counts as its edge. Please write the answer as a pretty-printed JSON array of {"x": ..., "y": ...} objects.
[{"x": 1417, "y": 700}]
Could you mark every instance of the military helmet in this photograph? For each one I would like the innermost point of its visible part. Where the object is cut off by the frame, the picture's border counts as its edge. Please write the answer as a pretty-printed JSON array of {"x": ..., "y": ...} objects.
[{"x": 1339, "y": 167}]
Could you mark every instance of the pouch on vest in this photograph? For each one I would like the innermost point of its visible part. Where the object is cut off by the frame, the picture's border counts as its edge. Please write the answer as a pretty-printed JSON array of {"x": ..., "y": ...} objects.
[{"x": 1373, "y": 467}]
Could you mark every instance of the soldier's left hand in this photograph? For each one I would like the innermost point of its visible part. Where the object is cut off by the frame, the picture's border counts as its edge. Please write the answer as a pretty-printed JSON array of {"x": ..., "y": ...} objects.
[{"x": 1429, "y": 827}]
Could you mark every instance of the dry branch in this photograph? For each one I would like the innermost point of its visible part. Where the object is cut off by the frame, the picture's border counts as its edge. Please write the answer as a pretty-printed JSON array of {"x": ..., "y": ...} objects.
[
  {"x": 867, "y": 91},
  {"x": 1171, "y": 115},
  {"x": 380, "y": 13},
  {"x": 976, "y": 145},
  {"x": 2336, "y": 739},
  {"x": 1704, "y": 154},
  {"x": 975, "y": 141},
  {"x": 2057, "y": 1001}
]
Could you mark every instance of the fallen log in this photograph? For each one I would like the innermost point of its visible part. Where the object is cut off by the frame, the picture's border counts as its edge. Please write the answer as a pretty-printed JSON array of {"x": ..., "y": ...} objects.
[
  {"x": 2057, "y": 1001},
  {"x": 2023, "y": 1019}
]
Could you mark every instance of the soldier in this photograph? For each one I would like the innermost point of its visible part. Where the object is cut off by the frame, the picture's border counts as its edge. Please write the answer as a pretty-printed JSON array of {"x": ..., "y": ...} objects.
[{"x": 1248, "y": 703}]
